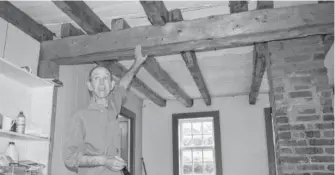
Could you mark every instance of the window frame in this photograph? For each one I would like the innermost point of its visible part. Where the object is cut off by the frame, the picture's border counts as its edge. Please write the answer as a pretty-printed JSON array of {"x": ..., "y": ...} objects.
[{"x": 217, "y": 137}]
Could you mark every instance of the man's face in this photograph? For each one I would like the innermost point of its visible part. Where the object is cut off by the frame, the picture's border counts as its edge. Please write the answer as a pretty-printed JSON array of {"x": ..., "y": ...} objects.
[{"x": 100, "y": 83}]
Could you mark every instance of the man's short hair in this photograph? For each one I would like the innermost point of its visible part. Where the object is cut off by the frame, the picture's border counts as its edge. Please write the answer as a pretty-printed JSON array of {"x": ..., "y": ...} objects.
[{"x": 98, "y": 66}]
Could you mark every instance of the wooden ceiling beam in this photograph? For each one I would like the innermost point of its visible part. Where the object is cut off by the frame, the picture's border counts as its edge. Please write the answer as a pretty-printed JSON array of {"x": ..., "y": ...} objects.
[
  {"x": 82, "y": 14},
  {"x": 260, "y": 58},
  {"x": 210, "y": 33},
  {"x": 190, "y": 59},
  {"x": 156, "y": 12},
  {"x": 25, "y": 23},
  {"x": 158, "y": 15}
]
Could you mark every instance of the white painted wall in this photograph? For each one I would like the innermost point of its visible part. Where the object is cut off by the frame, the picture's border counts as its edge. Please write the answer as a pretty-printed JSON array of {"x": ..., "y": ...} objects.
[
  {"x": 243, "y": 141},
  {"x": 73, "y": 96}
]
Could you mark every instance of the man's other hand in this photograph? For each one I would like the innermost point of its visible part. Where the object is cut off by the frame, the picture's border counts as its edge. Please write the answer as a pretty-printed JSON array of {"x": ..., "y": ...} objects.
[{"x": 115, "y": 163}]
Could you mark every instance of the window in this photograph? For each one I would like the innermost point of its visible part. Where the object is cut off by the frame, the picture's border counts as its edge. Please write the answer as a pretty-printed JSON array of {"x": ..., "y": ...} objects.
[{"x": 196, "y": 144}]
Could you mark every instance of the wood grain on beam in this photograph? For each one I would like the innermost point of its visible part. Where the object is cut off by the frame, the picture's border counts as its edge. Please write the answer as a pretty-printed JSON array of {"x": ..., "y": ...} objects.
[
  {"x": 156, "y": 12},
  {"x": 18, "y": 18},
  {"x": 260, "y": 58},
  {"x": 191, "y": 62},
  {"x": 215, "y": 32},
  {"x": 83, "y": 15},
  {"x": 159, "y": 15}
]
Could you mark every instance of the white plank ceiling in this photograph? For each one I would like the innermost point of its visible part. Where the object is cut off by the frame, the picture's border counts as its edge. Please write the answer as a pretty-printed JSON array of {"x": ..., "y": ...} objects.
[{"x": 226, "y": 72}]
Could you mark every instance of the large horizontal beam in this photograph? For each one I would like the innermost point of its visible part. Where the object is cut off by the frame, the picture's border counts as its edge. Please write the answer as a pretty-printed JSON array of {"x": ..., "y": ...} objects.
[{"x": 214, "y": 32}]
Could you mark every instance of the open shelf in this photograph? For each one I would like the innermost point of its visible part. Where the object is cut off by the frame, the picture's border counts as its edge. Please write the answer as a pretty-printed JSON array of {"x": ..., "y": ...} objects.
[
  {"x": 16, "y": 73},
  {"x": 18, "y": 136}
]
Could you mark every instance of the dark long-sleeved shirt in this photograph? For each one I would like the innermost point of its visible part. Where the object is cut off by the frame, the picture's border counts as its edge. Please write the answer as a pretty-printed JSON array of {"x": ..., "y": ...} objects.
[{"x": 94, "y": 131}]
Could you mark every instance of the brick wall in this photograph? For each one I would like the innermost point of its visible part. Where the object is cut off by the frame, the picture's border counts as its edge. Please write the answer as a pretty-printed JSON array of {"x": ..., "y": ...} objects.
[{"x": 302, "y": 105}]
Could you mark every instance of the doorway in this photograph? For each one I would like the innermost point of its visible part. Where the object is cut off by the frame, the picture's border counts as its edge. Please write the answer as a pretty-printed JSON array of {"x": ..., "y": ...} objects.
[{"x": 127, "y": 136}]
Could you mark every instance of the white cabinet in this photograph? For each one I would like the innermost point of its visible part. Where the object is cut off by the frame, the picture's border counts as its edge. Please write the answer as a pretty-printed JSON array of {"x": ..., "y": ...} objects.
[{"x": 22, "y": 91}]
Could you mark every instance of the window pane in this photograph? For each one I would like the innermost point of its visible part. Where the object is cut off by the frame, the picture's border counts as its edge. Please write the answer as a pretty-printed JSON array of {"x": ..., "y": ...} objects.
[
  {"x": 187, "y": 169},
  {"x": 187, "y": 140},
  {"x": 209, "y": 169},
  {"x": 197, "y": 140},
  {"x": 187, "y": 156},
  {"x": 196, "y": 128},
  {"x": 208, "y": 155},
  {"x": 208, "y": 127},
  {"x": 198, "y": 168},
  {"x": 186, "y": 128},
  {"x": 208, "y": 140},
  {"x": 197, "y": 155}
]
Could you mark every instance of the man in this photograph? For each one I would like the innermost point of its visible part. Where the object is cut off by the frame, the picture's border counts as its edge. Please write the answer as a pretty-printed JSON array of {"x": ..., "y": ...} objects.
[{"x": 92, "y": 144}]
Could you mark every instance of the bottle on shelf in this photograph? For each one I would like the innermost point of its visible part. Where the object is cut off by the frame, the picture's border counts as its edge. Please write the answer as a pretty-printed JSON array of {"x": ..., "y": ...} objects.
[
  {"x": 21, "y": 123},
  {"x": 12, "y": 152}
]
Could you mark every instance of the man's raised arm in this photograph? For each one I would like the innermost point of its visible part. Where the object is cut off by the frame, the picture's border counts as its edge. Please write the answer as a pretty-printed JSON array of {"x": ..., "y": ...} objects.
[{"x": 128, "y": 77}]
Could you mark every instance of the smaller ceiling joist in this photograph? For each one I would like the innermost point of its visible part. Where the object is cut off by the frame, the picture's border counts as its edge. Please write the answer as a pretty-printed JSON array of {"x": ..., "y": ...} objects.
[
  {"x": 238, "y": 6},
  {"x": 260, "y": 58},
  {"x": 156, "y": 12},
  {"x": 25, "y": 23},
  {"x": 79, "y": 12},
  {"x": 191, "y": 61},
  {"x": 82, "y": 15},
  {"x": 158, "y": 15},
  {"x": 153, "y": 67},
  {"x": 210, "y": 33}
]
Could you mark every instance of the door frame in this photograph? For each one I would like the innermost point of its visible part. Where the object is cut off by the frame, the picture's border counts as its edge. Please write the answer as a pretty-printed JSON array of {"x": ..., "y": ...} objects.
[{"x": 132, "y": 117}]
